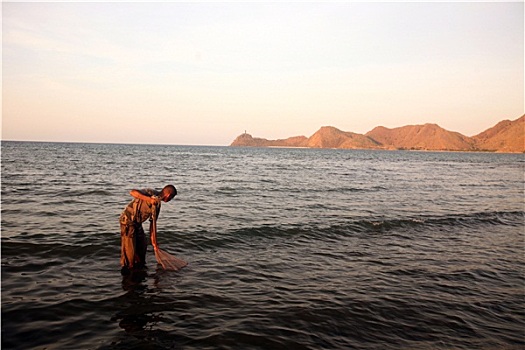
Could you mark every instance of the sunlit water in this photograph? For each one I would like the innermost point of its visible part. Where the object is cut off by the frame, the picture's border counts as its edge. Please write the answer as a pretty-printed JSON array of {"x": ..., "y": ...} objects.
[{"x": 287, "y": 249}]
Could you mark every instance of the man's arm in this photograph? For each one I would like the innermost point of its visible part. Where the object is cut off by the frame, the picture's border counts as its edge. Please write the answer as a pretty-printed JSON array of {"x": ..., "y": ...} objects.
[
  {"x": 140, "y": 195},
  {"x": 153, "y": 233}
]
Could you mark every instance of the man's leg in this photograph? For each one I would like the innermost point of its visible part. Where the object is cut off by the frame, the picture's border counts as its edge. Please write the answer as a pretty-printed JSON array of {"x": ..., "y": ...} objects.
[
  {"x": 141, "y": 246},
  {"x": 127, "y": 251}
]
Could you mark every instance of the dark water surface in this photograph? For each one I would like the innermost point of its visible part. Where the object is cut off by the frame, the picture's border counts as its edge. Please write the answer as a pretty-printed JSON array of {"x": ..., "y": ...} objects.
[{"x": 287, "y": 249}]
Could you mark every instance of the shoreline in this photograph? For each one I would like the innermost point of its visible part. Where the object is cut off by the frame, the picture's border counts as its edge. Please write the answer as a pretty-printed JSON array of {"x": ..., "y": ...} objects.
[
  {"x": 246, "y": 146},
  {"x": 386, "y": 149}
]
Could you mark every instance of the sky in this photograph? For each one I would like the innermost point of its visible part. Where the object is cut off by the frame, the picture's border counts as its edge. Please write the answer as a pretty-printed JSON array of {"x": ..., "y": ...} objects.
[{"x": 204, "y": 73}]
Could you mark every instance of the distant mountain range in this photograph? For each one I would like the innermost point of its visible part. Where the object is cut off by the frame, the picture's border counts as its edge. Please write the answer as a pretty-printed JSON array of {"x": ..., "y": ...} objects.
[{"x": 506, "y": 136}]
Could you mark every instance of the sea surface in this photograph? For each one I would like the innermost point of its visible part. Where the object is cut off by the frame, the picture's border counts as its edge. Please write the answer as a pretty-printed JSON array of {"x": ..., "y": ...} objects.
[{"x": 287, "y": 249}]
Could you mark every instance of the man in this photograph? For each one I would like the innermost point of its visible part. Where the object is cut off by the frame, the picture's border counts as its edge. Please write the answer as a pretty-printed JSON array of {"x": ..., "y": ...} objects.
[{"x": 145, "y": 205}]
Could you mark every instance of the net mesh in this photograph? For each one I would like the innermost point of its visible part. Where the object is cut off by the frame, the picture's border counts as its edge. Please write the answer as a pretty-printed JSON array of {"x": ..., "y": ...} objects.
[{"x": 168, "y": 261}]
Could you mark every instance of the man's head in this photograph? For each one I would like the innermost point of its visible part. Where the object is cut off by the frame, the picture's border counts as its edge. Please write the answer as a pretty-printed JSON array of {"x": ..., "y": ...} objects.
[{"x": 167, "y": 193}]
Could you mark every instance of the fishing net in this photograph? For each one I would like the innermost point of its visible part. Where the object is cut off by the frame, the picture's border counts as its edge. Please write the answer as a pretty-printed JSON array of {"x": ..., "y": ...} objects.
[{"x": 168, "y": 261}]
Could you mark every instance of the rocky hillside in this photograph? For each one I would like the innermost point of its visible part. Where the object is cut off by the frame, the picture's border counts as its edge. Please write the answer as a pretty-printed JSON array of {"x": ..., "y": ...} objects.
[
  {"x": 330, "y": 137},
  {"x": 421, "y": 137},
  {"x": 248, "y": 141},
  {"x": 506, "y": 136}
]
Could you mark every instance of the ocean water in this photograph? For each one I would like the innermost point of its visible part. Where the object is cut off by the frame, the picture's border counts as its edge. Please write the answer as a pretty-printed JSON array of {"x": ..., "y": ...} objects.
[{"x": 287, "y": 249}]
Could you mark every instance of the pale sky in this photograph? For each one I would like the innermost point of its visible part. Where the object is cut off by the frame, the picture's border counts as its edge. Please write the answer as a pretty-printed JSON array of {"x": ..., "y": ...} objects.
[{"x": 203, "y": 73}]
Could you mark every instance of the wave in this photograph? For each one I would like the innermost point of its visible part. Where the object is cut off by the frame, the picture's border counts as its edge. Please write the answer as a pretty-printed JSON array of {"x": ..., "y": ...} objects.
[
  {"x": 405, "y": 227},
  {"x": 32, "y": 248},
  {"x": 21, "y": 250},
  {"x": 82, "y": 244},
  {"x": 513, "y": 218}
]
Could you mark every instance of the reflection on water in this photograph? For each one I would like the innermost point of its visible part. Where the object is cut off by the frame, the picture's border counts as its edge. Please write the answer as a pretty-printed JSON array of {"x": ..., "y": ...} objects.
[
  {"x": 141, "y": 316},
  {"x": 135, "y": 318}
]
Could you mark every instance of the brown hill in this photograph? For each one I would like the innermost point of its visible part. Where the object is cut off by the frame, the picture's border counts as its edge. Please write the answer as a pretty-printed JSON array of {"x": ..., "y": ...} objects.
[
  {"x": 421, "y": 137},
  {"x": 248, "y": 141},
  {"x": 330, "y": 137},
  {"x": 506, "y": 136},
  {"x": 326, "y": 137}
]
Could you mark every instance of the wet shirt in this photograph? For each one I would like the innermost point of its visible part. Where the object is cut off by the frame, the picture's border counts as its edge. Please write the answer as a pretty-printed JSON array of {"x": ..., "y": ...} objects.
[{"x": 139, "y": 211}]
